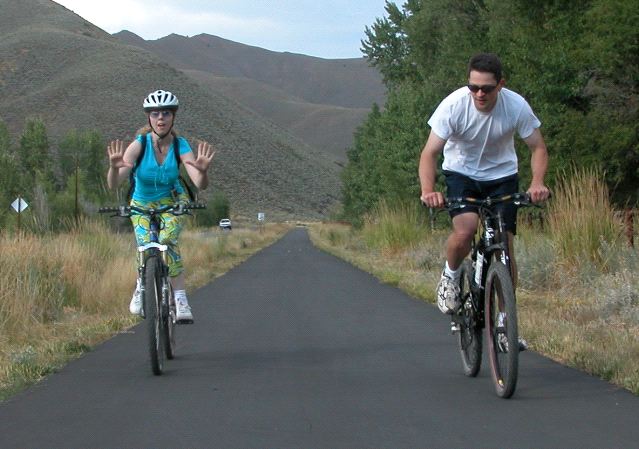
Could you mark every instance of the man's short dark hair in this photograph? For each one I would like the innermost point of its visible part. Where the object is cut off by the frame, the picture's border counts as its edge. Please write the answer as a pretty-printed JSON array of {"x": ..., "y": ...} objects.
[{"x": 486, "y": 62}]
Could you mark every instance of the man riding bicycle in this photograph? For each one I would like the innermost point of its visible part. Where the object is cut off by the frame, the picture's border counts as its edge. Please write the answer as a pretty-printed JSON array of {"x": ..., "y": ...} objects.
[
  {"x": 474, "y": 127},
  {"x": 155, "y": 160}
]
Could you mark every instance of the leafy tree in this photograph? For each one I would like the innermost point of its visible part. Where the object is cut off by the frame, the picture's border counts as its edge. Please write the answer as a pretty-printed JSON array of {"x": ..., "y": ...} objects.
[
  {"x": 9, "y": 180},
  {"x": 611, "y": 55},
  {"x": 8, "y": 165},
  {"x": 577, "y": 63},
  {"x": 387, "y": 46},
  {"x": 84, "y": 150},
  {"x": 218, "y": 207},
  {"x": 383, "y": 162},
  {"x": 33, "y": 154},
  {"x": 63, "y": 204}
]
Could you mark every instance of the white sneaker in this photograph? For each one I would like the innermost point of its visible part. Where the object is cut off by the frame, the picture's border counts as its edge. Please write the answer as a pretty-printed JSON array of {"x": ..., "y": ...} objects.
[
  {"x": 183, "y": 312},
  {"x": 448, "y": 299},
  {"x": 135, "y": 307}
]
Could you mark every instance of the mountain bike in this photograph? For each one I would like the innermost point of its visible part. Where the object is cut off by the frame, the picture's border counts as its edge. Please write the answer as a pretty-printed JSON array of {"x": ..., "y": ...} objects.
[
  {"x": 155, "y": 287},
  {"x": 488, "y": 295}
]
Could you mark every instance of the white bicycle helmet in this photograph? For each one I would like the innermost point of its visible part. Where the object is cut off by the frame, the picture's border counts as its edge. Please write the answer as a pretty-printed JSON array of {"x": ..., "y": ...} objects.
[{"x": 161, "y": 99}]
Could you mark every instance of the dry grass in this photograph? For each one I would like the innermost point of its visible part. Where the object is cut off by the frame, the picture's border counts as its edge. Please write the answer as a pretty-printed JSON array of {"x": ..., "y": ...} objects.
[
  {"x": 581, "y": 217},
  {"x": 578, "y": 283},
  {"x": 393, "y": 226},
  {"x": 62, "y": 294}
]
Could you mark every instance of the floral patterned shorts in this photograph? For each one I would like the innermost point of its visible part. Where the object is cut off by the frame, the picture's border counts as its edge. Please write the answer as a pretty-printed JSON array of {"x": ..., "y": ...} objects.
[{"x": 169, "y": 232}]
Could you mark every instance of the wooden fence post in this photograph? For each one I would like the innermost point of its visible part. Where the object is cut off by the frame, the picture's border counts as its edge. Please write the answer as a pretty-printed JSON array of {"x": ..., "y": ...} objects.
[{"x": 629, "y": 227}]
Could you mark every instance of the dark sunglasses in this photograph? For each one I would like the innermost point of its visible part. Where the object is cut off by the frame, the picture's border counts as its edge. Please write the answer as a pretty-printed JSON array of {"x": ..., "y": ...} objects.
[
  {"x": 488, "y": 88},
  {"x": 165, "y": 113}
]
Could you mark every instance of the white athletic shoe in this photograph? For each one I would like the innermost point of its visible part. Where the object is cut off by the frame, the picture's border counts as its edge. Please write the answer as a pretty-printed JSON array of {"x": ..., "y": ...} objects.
[
  {"x": 448, "y": 291},
  {"x": 135, "y": 307},
  {"x": 183, "y": 312}
]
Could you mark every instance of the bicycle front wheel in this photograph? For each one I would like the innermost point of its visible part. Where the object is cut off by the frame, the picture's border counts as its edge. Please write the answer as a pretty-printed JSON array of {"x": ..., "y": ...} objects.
[
  {"x": 153, "y": 313},
  {"x": 470, "y": 333},
  {"x": 168, "y": 318},
  {"x": 501, "y": 329}
]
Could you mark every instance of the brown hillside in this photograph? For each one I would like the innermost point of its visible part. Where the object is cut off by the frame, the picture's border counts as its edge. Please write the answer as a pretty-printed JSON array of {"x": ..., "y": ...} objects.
[
  {"x": 325, "y": 127},
  {"x": 320, "y": 101},
  {"x": 55, "y": 65}
]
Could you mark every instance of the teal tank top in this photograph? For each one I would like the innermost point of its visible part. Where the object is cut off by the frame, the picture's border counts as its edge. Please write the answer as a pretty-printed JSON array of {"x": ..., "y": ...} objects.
[{"x": 154, "y": 181}]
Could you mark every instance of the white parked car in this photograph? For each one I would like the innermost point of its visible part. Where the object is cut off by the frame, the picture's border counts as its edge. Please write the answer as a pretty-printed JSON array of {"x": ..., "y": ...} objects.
[{"x": 225, "y": 223}]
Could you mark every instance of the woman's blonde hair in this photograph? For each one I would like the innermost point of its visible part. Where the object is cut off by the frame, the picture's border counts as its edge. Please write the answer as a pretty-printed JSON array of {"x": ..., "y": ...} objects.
[{"x": 147, "y": 129}]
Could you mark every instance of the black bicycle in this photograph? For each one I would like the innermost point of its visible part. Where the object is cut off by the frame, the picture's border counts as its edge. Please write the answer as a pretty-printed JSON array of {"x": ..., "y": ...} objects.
[
  {"x": 488, "y": 295},
  {"x": 155, "y": 287}
]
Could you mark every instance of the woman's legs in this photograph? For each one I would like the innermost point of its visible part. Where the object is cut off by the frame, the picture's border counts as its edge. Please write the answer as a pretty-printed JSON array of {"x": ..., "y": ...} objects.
[{"x": 177, "y": 282}]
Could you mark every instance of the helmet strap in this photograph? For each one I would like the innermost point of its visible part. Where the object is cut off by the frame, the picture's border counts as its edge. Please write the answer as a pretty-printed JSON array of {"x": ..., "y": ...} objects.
[{"x": 160, "y": 136}]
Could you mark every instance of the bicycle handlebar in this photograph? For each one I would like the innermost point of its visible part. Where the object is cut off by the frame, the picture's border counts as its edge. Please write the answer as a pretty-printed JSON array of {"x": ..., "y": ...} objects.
[
  {"x": 520, "y": 199},
  {"x": 175, "y": 209}
]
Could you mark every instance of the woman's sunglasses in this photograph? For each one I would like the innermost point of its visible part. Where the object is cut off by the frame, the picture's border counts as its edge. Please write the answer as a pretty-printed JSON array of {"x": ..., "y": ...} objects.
[
  {"x": 488, "y": 88},
  {"x": 165, "y": 113}
]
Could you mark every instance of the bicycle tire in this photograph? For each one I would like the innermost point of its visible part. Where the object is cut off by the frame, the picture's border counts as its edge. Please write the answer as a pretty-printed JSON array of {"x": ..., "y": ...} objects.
[
  {"x": 503, "y": 344},
  {"x": 153, "y": 314},
  {"x": 469, "y": 337},
  {"x": 168, "y": 319}
]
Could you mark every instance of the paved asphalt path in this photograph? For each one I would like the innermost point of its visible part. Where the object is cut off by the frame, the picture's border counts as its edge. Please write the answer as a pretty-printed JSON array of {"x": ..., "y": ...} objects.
[{"x": 296, "y": 348}]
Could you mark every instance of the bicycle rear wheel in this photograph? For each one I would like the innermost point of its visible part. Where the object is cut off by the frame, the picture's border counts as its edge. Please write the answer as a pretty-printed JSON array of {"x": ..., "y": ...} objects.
[
  {"x": 470, "y": 333},
  {"x": 153, "y": 314},
  {"x": 501, "y": 329},
  {"x": 168, "y": 318}
]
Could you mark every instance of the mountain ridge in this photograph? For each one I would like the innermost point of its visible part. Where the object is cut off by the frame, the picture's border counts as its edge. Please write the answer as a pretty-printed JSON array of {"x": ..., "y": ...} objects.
[
  {"x": 317, "y": 80},
  {"x": 321, "y": 101}
]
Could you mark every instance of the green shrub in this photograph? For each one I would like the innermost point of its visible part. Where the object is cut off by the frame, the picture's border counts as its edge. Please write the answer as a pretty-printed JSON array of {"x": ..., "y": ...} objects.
[{"x": 217, "y": 207}]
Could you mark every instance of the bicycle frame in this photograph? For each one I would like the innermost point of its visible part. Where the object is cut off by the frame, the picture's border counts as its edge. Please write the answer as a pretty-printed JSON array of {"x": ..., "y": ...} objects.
[
  {"x": 492, "y": 235},
  {"x": 489, "y": 243},
  {"x": 488, "y": 294}
]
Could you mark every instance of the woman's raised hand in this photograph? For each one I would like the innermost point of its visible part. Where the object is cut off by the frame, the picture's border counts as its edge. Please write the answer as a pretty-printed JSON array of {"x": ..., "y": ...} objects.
[
  {"x": 203, "y": 156},
  {"x": 115, "y": 150}
]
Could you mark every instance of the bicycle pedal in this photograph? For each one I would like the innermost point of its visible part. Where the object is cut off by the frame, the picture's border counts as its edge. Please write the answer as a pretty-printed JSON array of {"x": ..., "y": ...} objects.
[{"x": 184, "y": 321}]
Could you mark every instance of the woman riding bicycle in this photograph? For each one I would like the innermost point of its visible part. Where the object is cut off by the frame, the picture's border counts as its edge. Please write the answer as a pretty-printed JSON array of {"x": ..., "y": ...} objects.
[{"x": 156, "y": 183}]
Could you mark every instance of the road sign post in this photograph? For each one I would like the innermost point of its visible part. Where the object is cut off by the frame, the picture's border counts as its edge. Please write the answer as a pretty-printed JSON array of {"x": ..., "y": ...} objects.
[{"x": 19, "y": 205}]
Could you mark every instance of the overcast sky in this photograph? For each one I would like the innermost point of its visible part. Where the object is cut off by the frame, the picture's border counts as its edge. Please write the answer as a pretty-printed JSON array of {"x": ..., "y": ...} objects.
[{"x": 323, "y": 28}]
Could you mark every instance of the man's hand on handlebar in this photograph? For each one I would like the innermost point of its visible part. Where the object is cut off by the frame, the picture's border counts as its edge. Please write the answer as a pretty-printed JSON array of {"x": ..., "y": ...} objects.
[
  {"x": 538, "y": 193},
  {"x": 433, "y": 199}
]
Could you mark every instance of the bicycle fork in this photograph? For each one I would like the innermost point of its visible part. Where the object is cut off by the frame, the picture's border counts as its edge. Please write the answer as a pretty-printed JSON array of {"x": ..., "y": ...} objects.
[{"x": 145, "y": 252}]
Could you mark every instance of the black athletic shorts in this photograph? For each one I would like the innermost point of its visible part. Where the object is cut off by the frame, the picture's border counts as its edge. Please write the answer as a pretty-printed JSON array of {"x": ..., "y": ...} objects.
[{"x": 459, "y": 185}]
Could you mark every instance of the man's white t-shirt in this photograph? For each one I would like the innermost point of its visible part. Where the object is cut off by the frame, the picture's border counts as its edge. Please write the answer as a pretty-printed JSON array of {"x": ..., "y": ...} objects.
[{"x": 481, "y": 145}]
